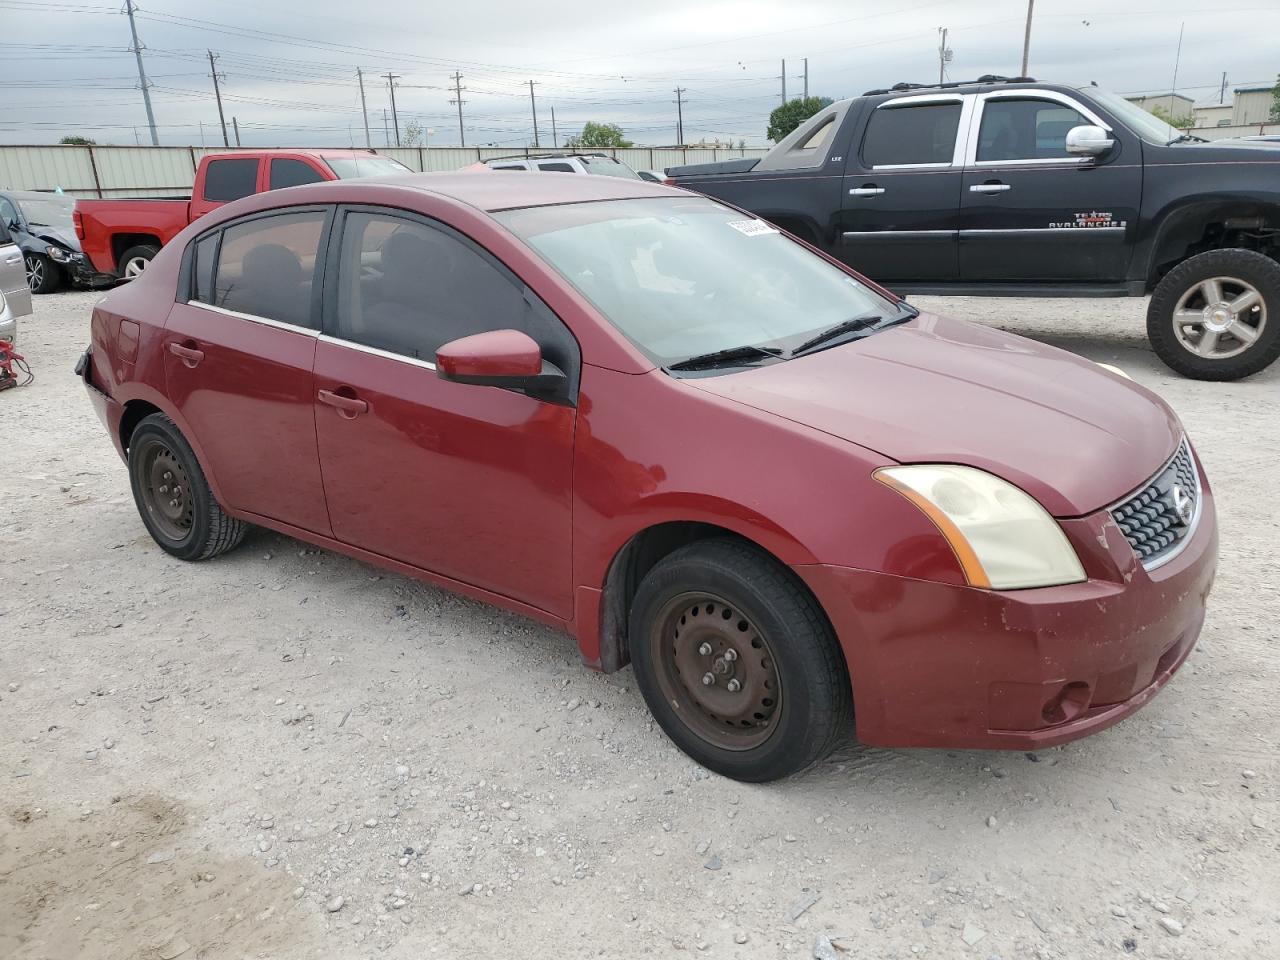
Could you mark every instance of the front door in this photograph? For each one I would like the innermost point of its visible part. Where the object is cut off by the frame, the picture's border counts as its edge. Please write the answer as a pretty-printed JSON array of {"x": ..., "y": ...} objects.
[
  {"x": 902, "y": 191},
  {"x": 469, "y": 482},
  {"x": 238, "y": 356},
  {"x": 1032, "y": 212},
  {"x": 13, "y": 274}
]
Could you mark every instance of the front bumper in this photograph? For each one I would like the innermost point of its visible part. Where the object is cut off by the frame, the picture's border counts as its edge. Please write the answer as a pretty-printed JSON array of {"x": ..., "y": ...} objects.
[{"x": 937, "y": 665}]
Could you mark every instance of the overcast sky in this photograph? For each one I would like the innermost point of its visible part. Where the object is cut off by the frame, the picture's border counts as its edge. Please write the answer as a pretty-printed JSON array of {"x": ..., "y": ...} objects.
[{"x": 289, "y": 66}]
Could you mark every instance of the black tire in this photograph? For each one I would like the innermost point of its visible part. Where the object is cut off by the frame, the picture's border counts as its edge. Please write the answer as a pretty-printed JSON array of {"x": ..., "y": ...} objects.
[
  {"x": 43, "y": 275},
  {"x": 1242, "y": 266},
  {"x": 814, "y": 703},
  {"x": 133, "y": 261},
  {"x": 198, "y": 528}
]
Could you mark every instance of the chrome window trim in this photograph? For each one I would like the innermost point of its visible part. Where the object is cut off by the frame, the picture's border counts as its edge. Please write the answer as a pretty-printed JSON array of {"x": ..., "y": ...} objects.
[
  {"x": 958, "y": 150},
  {"x": 900, "y": 233},
  {"x": 1181, "y": 545},
  {"x": 979, "y": 108},
  {"x": 254, "y": 318},
  {"x": 989, "y": 231},
  {"x": 375, "y": 351}
]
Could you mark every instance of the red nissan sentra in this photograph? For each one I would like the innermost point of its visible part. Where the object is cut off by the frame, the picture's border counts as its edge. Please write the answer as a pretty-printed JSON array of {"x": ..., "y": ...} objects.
[{"x": 786, "y": 497}]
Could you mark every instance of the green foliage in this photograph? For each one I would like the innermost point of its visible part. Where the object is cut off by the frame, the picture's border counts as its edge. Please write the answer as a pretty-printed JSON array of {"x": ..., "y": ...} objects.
[
  {"x": 1182, "y": 123},
  {"x": 412, "y": 135},
  {"x": 793, "y": 113},
  {"x": 597, "y": 135},
  {"x": 78, "y": 141}
]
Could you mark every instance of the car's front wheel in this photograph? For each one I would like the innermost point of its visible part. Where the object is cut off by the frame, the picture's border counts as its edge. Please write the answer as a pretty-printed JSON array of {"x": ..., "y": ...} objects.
[
  {"x": 737, "y": 662},
  {"x": 43, "y": 275},
  {"x": 1216, "y": 316},
  {"x": 173, "y": 497}
]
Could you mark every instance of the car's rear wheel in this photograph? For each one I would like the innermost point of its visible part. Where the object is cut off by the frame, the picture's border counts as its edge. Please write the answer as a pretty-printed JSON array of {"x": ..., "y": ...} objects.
[
  {"x": 174, "y": 499},
  {"x": 1216, "y": 316},
  {"x": 737, "y": 662},
  {"x": 43, "y": 275},
  {"x": 135, "y": 260}
]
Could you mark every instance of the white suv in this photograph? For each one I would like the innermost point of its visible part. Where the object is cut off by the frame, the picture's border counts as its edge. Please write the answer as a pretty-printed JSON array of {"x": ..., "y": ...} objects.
[
  {"x": 600, "y": 164},
  {"x": 15, "y": 295}
]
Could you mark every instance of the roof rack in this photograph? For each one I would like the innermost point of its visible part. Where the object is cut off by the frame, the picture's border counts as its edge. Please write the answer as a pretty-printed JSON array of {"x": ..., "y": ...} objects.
[
  {"x": 985, "y": 78},
  {"x": 549, "y": 156}
]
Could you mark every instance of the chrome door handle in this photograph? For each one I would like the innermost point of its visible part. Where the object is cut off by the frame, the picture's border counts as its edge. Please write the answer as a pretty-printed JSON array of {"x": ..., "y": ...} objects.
[
  {"x": 989, "y": 188},
  {"x": 866, "y": 191},
  {"x": 348, "y": 407},
  {"x": 17, "y": 259}
]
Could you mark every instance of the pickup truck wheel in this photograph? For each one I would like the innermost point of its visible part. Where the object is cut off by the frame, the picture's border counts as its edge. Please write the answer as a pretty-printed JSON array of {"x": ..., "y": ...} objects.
[
  {"x": 174, "y": 499},
  {"x": 134, "y": 261},
  {"x": 1216, "y": 316},
  {"x": 43, "y": 275},
  {"x": 737, "y": 662}
]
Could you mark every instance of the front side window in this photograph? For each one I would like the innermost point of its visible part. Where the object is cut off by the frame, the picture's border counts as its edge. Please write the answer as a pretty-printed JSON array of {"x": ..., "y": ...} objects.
[
  {"x": 685, "y": 276},
  {"x": 287, "y": 172},
  {"x": 408, "y": 288},
  {"x": 266, "y": 267},
  {"x": 8, "y": 214},
  {"x": 924, "y": 133},
  {"x": 226, "y": 180},
  {"x": 1025, "y": 129}
]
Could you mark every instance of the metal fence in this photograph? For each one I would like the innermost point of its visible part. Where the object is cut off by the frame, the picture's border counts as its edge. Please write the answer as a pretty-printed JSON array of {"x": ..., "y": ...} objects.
[{"x": 105, "y": 171}]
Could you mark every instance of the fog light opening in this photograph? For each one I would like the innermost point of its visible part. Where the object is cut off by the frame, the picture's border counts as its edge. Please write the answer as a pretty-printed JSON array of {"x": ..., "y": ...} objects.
[{"x": 1067, "y": 704}]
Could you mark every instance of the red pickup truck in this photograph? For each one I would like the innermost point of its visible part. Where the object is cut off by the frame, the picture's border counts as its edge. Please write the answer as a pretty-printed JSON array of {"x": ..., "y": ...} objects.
[{"x": 121, "y": 236}]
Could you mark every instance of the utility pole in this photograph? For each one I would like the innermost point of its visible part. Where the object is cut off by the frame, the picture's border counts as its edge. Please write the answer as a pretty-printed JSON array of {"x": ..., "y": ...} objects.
[
  {"x": 213, "y": 71},
  {"x": 1026, "y": 39},
  {"x": 142, "y": 74},
  {"x": 944, "y": 54},
  {"x": 386, "y": 131},
  {"x": 555, "y": 138},
  {"x": 457, "y": 98},
  {"x": 363, "y": 108},
  {"x": 1222, "y": 92},
  {"x": 395, "y": 120},
  {"x": 534, "y": 103},
  {"x": 679, "y": 116},
  {"x": 806, "y": 78},
  {"x": 784, "y": 83},
  {"x": 236, "y": 127}
]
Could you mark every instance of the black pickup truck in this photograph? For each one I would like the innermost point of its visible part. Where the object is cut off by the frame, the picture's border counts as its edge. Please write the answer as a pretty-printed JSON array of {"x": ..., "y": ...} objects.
[{"x": 1007, "y": 186}]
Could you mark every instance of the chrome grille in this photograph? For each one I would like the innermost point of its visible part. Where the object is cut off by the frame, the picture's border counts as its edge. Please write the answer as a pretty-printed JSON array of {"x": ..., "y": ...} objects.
[{"x": 1150, "y": 519}]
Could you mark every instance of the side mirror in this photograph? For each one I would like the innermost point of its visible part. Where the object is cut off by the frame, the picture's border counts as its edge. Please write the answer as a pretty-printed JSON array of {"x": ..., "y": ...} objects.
[
  {"x": 1088, "y": 141},
  {"x": 501, "y": 358}
]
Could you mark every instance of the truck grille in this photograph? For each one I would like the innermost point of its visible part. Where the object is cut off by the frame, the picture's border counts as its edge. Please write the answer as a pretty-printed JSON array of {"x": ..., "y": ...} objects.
[{"x": 1150, "y": 519}]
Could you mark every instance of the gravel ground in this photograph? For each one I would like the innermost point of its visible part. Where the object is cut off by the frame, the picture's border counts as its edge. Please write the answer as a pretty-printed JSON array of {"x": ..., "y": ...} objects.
[{"x": 285, "y": 753}]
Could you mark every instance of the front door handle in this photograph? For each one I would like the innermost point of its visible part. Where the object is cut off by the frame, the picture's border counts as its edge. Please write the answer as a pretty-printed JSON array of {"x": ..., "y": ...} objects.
[
  {"x": 870, "y": 190},
  {"x": 349, "y": 407},
  {"x": 17, "y": 258},
  {"x": 989, "y": 188},
  {"x": 190, "y": 356}
]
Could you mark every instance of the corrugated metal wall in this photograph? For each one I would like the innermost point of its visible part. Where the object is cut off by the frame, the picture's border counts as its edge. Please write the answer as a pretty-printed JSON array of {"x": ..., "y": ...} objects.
[{"x": 170, "y": 171}]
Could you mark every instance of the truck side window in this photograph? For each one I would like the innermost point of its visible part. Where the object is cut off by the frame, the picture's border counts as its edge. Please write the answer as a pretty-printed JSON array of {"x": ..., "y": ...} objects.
[
  {"x": 226, "y": 180},
  {"x": 925, "y": 133},
  {"x": 287, "y": 172},
  {"x": 1025, "y": 129}
]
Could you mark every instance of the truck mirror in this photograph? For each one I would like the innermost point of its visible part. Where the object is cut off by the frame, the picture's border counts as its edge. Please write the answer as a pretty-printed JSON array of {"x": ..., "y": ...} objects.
[{"x": 1088, "y": 141}]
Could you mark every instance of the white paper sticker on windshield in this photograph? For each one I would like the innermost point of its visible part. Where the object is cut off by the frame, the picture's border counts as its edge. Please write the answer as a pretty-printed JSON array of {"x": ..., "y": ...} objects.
[{"x": 752, "y": 228}]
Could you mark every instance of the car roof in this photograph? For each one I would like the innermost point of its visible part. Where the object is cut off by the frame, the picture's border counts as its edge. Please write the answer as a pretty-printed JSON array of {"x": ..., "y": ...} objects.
[{"x": 505, "y": 190}]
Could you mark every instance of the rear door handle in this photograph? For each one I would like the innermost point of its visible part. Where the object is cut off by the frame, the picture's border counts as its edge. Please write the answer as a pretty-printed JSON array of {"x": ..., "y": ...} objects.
[
  {"x": 349, "y": 407},
  {"x": 989, "y": 188},
  {"x": 870, "y": 191},
  {"x": 188, "y": 355}
]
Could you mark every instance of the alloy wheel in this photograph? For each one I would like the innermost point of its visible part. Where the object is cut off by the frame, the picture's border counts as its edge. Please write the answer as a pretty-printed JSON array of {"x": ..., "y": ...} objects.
[
  {"x": 1219, "y": 317},
  {"x": 135, "y": 266},
  {"x": 35, "y": 273}
]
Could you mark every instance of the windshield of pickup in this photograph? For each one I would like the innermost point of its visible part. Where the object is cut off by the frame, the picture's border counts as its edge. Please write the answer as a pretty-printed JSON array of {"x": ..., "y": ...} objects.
[
  {"x": 53, "y": 212},
  {"x": 349, "y": 168},
  {"x": 685, "y": 276},
  {"x": 1146, "y": 125}
]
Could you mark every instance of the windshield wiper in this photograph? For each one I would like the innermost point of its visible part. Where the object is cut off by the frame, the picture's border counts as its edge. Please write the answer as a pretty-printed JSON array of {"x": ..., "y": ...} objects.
[
  {"x": 1186, "y": 138},
  {"x": 852, "y": 325},
  {"x": 728, "y": 357}
]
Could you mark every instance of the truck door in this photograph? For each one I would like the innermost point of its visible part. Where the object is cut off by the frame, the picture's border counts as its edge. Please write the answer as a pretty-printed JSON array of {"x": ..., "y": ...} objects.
[
  {"x": 1029, "y": 210},
  {"x": 902, "y": 190}
]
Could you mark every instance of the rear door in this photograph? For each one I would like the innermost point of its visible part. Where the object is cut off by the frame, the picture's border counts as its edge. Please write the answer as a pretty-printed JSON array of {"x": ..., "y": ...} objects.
[
  {"x": 238, "y": 357},
  {"x": 902, "y": 190},
  {"x": 1031, "y": 211},
  {"x": 225, "y": 179},
  {"x": 13, "y": 273}
]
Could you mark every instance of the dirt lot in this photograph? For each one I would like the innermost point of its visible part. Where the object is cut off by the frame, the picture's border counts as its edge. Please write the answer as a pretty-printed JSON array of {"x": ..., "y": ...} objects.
[{"x": 284, "y": 753}]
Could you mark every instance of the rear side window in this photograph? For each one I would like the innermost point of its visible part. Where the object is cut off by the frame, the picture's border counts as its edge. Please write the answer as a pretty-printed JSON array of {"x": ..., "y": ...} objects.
[
  {"x": 557, "y": 167},
  {"x": 266, "y": 267},
  {"x": 226, "y": 180},
  {"x": 919, "y": 134},
  {"x": 286, "y": 172},
  {"x": 1026, "y": 129},
  {"x": 509, "y": 166}
]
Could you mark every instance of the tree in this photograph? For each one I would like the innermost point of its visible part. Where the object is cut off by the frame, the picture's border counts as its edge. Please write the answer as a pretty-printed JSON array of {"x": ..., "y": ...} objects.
[
  {"x": 78, "y": 141},
  {"x": 596, "y": 135},
  {"x": 1181, "y": 123},
  {"x": 793, "y": 113},
  {"x": 412, "y": 136},
  {"x": 1275, "y": 102}
]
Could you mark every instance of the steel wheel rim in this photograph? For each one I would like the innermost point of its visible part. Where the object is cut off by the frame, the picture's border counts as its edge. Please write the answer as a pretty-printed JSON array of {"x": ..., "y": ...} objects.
[
  {"x": 166, "y": 492},
  {"x": 35, "y": 272},
  {"x": 1220, "y": 317},
  {"x": 135, "y": 266},
  {"x": 717, "y": 670}
]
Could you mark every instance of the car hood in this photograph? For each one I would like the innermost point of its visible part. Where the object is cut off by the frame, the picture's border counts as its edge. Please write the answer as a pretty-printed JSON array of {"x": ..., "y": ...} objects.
[
  {"x": 937, "y": 390},
  {"x": 63, "y": 238}
]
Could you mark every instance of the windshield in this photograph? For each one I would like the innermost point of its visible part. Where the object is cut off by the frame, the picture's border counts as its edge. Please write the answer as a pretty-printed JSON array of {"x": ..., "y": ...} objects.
[
  {"x": 1146, "y": 125},
  {"x": 684, "y": 276},
  {"x": 53, "y": 212},
  {"x": 349, "y": 168},
  {"x": 608, "y": 167}
]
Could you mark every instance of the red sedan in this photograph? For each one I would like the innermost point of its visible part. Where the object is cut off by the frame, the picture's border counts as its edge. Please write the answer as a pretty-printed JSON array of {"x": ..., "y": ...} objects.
[{"x": 786, "y": 497}]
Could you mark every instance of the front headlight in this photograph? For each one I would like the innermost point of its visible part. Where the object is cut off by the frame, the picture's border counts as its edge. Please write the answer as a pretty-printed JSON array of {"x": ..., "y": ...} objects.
[
  {"x": 1002, "y": 537},
  {"x": 57, "y": 253}
]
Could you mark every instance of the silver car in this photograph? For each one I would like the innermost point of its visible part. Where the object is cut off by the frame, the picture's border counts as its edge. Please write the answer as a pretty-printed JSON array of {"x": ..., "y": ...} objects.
[{"x": 15, "y": 295}]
